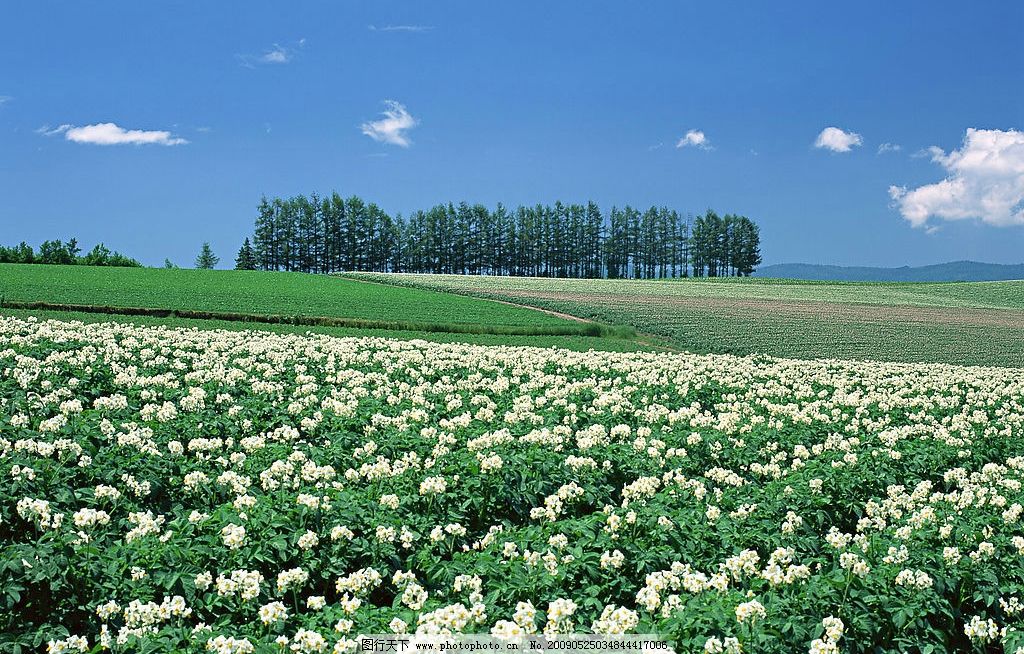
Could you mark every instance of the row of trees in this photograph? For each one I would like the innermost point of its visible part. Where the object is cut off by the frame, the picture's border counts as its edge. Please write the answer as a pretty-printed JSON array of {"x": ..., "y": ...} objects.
[
  {"x": 330, "y": 234},
  {"x": 67, "y": 253}
]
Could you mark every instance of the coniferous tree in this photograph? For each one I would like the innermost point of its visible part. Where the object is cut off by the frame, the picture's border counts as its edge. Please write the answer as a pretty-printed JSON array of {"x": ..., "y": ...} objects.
[
  {"x": 748, "y": 248},
  {"x": 264, "y": 236},
  {"x": 246, "y": 259},
  {"x": 206, "y": 260}
]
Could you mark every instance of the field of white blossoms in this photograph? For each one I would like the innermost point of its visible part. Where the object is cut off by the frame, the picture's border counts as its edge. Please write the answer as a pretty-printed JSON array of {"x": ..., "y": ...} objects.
[{"x": 184, "y": 490}]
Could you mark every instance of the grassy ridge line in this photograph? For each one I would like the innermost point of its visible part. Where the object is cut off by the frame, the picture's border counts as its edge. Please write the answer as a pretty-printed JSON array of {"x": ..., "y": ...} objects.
[{"x": 583, "y": 329}]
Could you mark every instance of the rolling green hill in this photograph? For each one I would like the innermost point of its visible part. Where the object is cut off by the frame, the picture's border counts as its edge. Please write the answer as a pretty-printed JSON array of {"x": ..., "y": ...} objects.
[
  {"x": 979, "y": 323},
  {"x": 245, "y": 296}
]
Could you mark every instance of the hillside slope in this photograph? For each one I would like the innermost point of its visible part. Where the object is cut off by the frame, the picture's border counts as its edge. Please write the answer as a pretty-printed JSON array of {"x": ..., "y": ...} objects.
[
  {"x": 978, "y": 323},
  {"x": 254, "y": 293}
]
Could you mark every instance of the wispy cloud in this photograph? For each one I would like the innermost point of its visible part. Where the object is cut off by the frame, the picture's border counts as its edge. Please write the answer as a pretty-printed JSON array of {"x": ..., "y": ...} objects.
[
  {"x": 837, "y": 140},
  {"x": 694, "y": 138},
  {"x": 400, "y": 28},
  {"x": 984, "y": 180},
  {"x": 112, "y": 134},
  {"x": 4, "y": 99},
  {"x": 392, "y": 127},
  {"x": 274, "y": 55},
  {"x": 889, "y": 147}
]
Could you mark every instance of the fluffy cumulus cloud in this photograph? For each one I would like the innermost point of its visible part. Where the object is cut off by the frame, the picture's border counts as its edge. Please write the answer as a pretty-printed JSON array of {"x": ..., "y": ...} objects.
[
  {"x": 837, "y": 140},
  {"x": 984, "y": 181},
  {"x": 392, "y": 127},
  {"x": 112, "y": 134},
  {"x": 694, "y": 139}
]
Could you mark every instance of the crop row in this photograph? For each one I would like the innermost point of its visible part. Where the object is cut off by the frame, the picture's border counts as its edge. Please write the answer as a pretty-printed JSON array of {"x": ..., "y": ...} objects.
[{"x": 755, "y": 316}]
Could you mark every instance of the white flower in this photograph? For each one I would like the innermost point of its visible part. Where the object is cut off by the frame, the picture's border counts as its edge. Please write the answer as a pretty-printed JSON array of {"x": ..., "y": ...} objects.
[
  {"x": 308, "y": 540},
  {"x": 233, "y": 536},
  {"x": 750, "y": 611},
  {"x": 433, "y": 486},
  {"x": 273, "y": 612}
]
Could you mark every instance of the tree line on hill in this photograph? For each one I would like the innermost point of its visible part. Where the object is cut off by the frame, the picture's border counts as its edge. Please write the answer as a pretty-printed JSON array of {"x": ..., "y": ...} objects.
[
  {"x": 67, "y": 253},
  {"x": 331, "y": 234}
]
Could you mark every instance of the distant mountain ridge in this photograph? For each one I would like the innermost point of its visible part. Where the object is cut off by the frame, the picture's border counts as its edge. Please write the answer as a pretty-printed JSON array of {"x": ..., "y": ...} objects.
[{"x": 954, "y": 271}]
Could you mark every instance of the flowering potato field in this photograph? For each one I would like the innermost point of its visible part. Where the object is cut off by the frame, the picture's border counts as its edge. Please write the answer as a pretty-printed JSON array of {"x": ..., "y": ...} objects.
[{"x": 186, "y": 490}]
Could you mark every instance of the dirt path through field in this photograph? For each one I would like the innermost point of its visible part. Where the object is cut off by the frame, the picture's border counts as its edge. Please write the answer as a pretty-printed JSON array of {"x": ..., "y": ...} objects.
[{"x": 643, "y": 339}]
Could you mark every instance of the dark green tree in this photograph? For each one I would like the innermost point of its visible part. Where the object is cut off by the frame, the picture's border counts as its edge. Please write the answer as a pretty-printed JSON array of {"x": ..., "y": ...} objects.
[
  {"x": 206, "y": 260},
  {"x": 246, "y": 259}
]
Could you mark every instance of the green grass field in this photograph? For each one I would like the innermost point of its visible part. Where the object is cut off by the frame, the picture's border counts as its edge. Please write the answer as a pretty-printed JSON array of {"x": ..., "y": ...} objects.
[
  {"x": 285, "y": 296},
  {"x": 388, "y": 310},
  {"x": 976, "y": 323},
  {"x": 255, "y": 293}
]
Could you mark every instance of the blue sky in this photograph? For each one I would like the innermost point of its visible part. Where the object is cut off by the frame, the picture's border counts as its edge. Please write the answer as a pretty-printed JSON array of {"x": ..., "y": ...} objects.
[{"x": 156, "y": 126}]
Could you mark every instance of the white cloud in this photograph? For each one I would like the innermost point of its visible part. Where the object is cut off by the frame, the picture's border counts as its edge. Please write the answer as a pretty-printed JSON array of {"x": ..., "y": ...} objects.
[
  {"x": 889, "y": 147},
  {"x": 4, "y": 99},
  {"x": 400, "y": 28},
  {"x": 836, "y": 140},
  {"x": 111, "y": 134},
  {"x": 694, "y": 138},
  {"x": 392, "y": 127},
  {"x": 276, "y": 55},
  {"x": 984, "y": 180}
]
